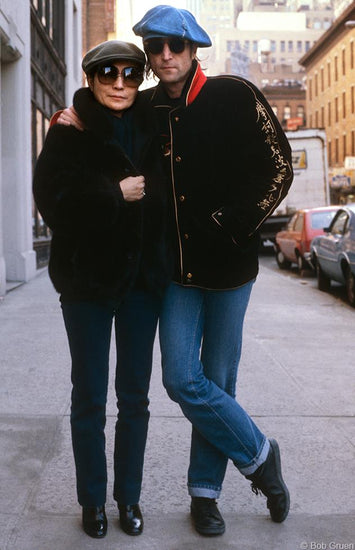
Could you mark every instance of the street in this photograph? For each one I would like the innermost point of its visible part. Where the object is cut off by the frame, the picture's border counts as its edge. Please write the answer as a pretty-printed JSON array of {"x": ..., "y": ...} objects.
[{"x": 296, "y": 379}]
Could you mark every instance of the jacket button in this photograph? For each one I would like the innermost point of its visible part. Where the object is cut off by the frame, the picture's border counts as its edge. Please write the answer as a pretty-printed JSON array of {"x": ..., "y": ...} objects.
[
  {"x": 182, "y": 198},
  {"x": 189, "y": 276},
  {"x": 177, "y": 119},
  {"x": 186, "y": 236},
  {"x": 178, "y": 159}
]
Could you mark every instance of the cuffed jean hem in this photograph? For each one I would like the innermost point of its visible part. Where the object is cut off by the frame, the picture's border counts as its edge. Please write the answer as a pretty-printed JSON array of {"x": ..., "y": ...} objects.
[
  {"x": 257, "y": 461},
  {"x": 207, "y": 492}
]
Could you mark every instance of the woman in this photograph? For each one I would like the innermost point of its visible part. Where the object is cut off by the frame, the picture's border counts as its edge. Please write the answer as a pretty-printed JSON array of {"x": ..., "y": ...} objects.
[{"x": 102, "y": 194}]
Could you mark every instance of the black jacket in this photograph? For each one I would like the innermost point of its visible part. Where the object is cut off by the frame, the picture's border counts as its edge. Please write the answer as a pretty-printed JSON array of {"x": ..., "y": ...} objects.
[
  {"x": 102, "y": 244},
  {"x": 230, "y": 166}
]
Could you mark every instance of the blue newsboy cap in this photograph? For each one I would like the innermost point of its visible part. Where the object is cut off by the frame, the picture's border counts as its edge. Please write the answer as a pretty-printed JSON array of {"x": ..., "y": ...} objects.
[{"x": 169, "y": 21}]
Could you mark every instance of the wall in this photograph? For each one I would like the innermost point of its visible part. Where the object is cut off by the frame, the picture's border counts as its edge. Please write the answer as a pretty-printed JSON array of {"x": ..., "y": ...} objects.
[{"x": 17, "y": 258}]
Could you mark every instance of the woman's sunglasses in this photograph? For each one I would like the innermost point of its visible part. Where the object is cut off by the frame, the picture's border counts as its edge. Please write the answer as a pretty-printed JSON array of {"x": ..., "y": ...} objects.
[
  {"x": 131, "y": 76},
  {"x": 156, "y": 45}
]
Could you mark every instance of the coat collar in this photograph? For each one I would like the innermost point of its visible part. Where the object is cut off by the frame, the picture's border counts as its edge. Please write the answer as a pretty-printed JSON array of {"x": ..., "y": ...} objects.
[{"x": 192, "y": 88}]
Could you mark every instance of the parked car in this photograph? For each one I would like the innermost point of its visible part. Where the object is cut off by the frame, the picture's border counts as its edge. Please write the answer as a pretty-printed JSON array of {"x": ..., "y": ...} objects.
[
  {"x": 293, "y": 243},
  {"x": 333, "y": 254}
]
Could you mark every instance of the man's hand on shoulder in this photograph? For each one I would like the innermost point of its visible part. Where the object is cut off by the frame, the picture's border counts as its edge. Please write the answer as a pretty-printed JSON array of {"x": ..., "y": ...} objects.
[{"x": 69, "y": 117}]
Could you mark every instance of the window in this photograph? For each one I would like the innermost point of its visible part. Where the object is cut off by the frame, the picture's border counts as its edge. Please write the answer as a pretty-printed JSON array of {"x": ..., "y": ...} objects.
[
  {"x": 45, "y": 13},
  {"x": 344, "y": 146},
  {"x": 299, "y": 46},
  {"x": 290, "y": 46},
  {"x": 300, "y": 112},
  {"x": 336, "y": 68},
  {"x": 340, "y": 223},
  {"x": 329, "y": 114},
  {"x": 351, "y": 54},
  {"x": 291, "y": 223},
  {"x": 353, "y": 142},
  {"x": 322, "y": 79},
  {"x": 310, "y": 89},
  {"x": 47, "y": 92},
  {"x": 287, "y": 112},
  {"x": 330, "y": 151},
  {"x": 322, "y": 118},
  {"x": 307, "y": 45},
  {"x": 255, "y": 46},
  {"x": 299, "y": 223},
  {"x": 344, "y": 105},
  {"x": 343, "y": 61},
  {"x": 352, "y": 99},
  {"x": 321, "y": 219},
  {"x": 282, "y": 46},
  {"x": 316, "y": 120},
  {"x": 273, "y": 45},
  {"x": 336, "y": 110},
  {"x": 336, "y": 150},
  {"x": 329, "y": 73},
  {"x": 316, "y": 85}
]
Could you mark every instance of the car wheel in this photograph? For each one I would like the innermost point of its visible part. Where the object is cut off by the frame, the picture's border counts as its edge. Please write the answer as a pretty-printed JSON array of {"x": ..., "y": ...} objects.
[
  {"x": 322, "y": 279},
  {"x": 350, "y": 286},
  {"x": 281, "y": 260}
]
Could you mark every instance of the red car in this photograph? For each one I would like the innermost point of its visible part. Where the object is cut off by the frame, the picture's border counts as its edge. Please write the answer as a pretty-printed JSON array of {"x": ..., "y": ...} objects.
[{"x": 293, "y": 243}]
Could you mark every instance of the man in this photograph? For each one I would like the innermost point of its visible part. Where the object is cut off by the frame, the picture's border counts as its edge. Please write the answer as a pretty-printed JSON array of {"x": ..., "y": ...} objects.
[{"x": 230, "y": 166}]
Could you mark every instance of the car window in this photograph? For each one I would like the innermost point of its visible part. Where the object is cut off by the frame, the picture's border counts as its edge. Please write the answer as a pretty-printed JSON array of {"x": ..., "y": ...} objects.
[
  {"x": 339, "y": 223},
  {"x": 299, "y": 223},
  {"x": 292, "y": 222},
  {"x": 319, "y": 220}
]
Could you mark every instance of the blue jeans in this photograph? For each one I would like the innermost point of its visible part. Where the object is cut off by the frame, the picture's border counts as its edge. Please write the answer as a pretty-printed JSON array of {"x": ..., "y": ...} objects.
[
  {"x": 89, "y": 326},
  {"x": 201, "y": 341}
]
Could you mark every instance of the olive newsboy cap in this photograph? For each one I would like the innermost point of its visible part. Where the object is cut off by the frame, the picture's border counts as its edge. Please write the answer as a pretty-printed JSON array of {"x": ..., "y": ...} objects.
[
  {"x": 112, "y": 50},
  {"x": 163, "y": 21}
]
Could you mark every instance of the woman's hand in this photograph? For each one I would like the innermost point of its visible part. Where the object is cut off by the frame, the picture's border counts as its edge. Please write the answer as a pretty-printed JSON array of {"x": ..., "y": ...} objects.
[
  {"x": 69, "y": 117},
  {"x": 132, "y": 188}
]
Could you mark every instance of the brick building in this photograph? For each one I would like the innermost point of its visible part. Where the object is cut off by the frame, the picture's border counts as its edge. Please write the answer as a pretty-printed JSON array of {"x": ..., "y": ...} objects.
[
  {"x": 288, "y": 100},
  {"x": 98, "y": 22},
  {"x": 330, "y": 70}
]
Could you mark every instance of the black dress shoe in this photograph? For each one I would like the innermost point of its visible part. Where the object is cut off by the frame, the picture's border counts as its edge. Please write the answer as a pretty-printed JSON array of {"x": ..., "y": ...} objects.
[
  {"x": 206, "y": 517},
  {"x": 268, "y": 479},
  {"x": 95, "y": 521},
  {"x": 131, "y": 519}
]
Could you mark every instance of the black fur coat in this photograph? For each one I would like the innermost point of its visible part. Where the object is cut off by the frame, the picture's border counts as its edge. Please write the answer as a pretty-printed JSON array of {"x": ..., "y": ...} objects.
[{"x": 102, "y": 245}]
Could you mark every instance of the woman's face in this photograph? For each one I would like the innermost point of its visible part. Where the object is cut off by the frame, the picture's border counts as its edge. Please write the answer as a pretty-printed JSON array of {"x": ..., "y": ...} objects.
[{"x": 115, "y": 85}]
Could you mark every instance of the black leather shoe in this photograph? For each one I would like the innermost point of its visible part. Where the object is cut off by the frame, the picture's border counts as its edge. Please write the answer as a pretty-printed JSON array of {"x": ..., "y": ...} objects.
[
  {"x": 95, "y": 521},
  {"x": 268, "y": 480},
  {"x": 206, "y": 517},
  {"x": 131, "y": 519}
]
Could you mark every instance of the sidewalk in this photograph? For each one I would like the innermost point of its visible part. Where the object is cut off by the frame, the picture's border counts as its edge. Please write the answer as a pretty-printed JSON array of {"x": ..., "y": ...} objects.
[{"x": 296, "y": 379}]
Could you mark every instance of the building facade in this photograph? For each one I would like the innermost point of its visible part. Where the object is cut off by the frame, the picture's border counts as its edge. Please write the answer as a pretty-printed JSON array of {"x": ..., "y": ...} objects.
[
  {"x": 98, "y": 23},
  {"x": 288, "y": 101},
  {"x": 40, "y": 49},
  {"x": 330, "y": 69}
]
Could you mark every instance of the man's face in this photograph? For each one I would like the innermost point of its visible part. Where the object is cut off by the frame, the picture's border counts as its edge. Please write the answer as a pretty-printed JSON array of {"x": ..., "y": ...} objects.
[{"x": 171, "y": 68}]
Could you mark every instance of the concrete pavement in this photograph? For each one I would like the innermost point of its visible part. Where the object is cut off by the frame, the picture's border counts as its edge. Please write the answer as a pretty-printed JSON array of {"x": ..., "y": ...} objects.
[{"x": 296, "y": 380}]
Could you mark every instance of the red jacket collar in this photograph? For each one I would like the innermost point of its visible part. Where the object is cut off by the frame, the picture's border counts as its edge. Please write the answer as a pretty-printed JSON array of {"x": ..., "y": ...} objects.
[{"x": 197, "y": 82}]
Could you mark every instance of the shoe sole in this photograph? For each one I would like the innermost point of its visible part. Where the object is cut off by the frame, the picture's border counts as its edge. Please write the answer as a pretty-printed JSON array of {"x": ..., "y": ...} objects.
[
  {"x": 276, "y": 449},
  {"x": 210, "y": 533}
]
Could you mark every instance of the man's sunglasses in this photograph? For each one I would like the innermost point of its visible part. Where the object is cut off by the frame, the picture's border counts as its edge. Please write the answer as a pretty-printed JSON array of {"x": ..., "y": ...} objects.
[
  {"x": 156, "y": 45},
  {"x": 131, "y": 76}
]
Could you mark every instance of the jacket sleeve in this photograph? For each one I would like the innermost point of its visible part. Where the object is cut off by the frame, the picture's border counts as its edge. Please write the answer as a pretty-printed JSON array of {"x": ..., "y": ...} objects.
[
  {"x": 70, "y": 189},
  {"x": 264, "y": 170}
]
